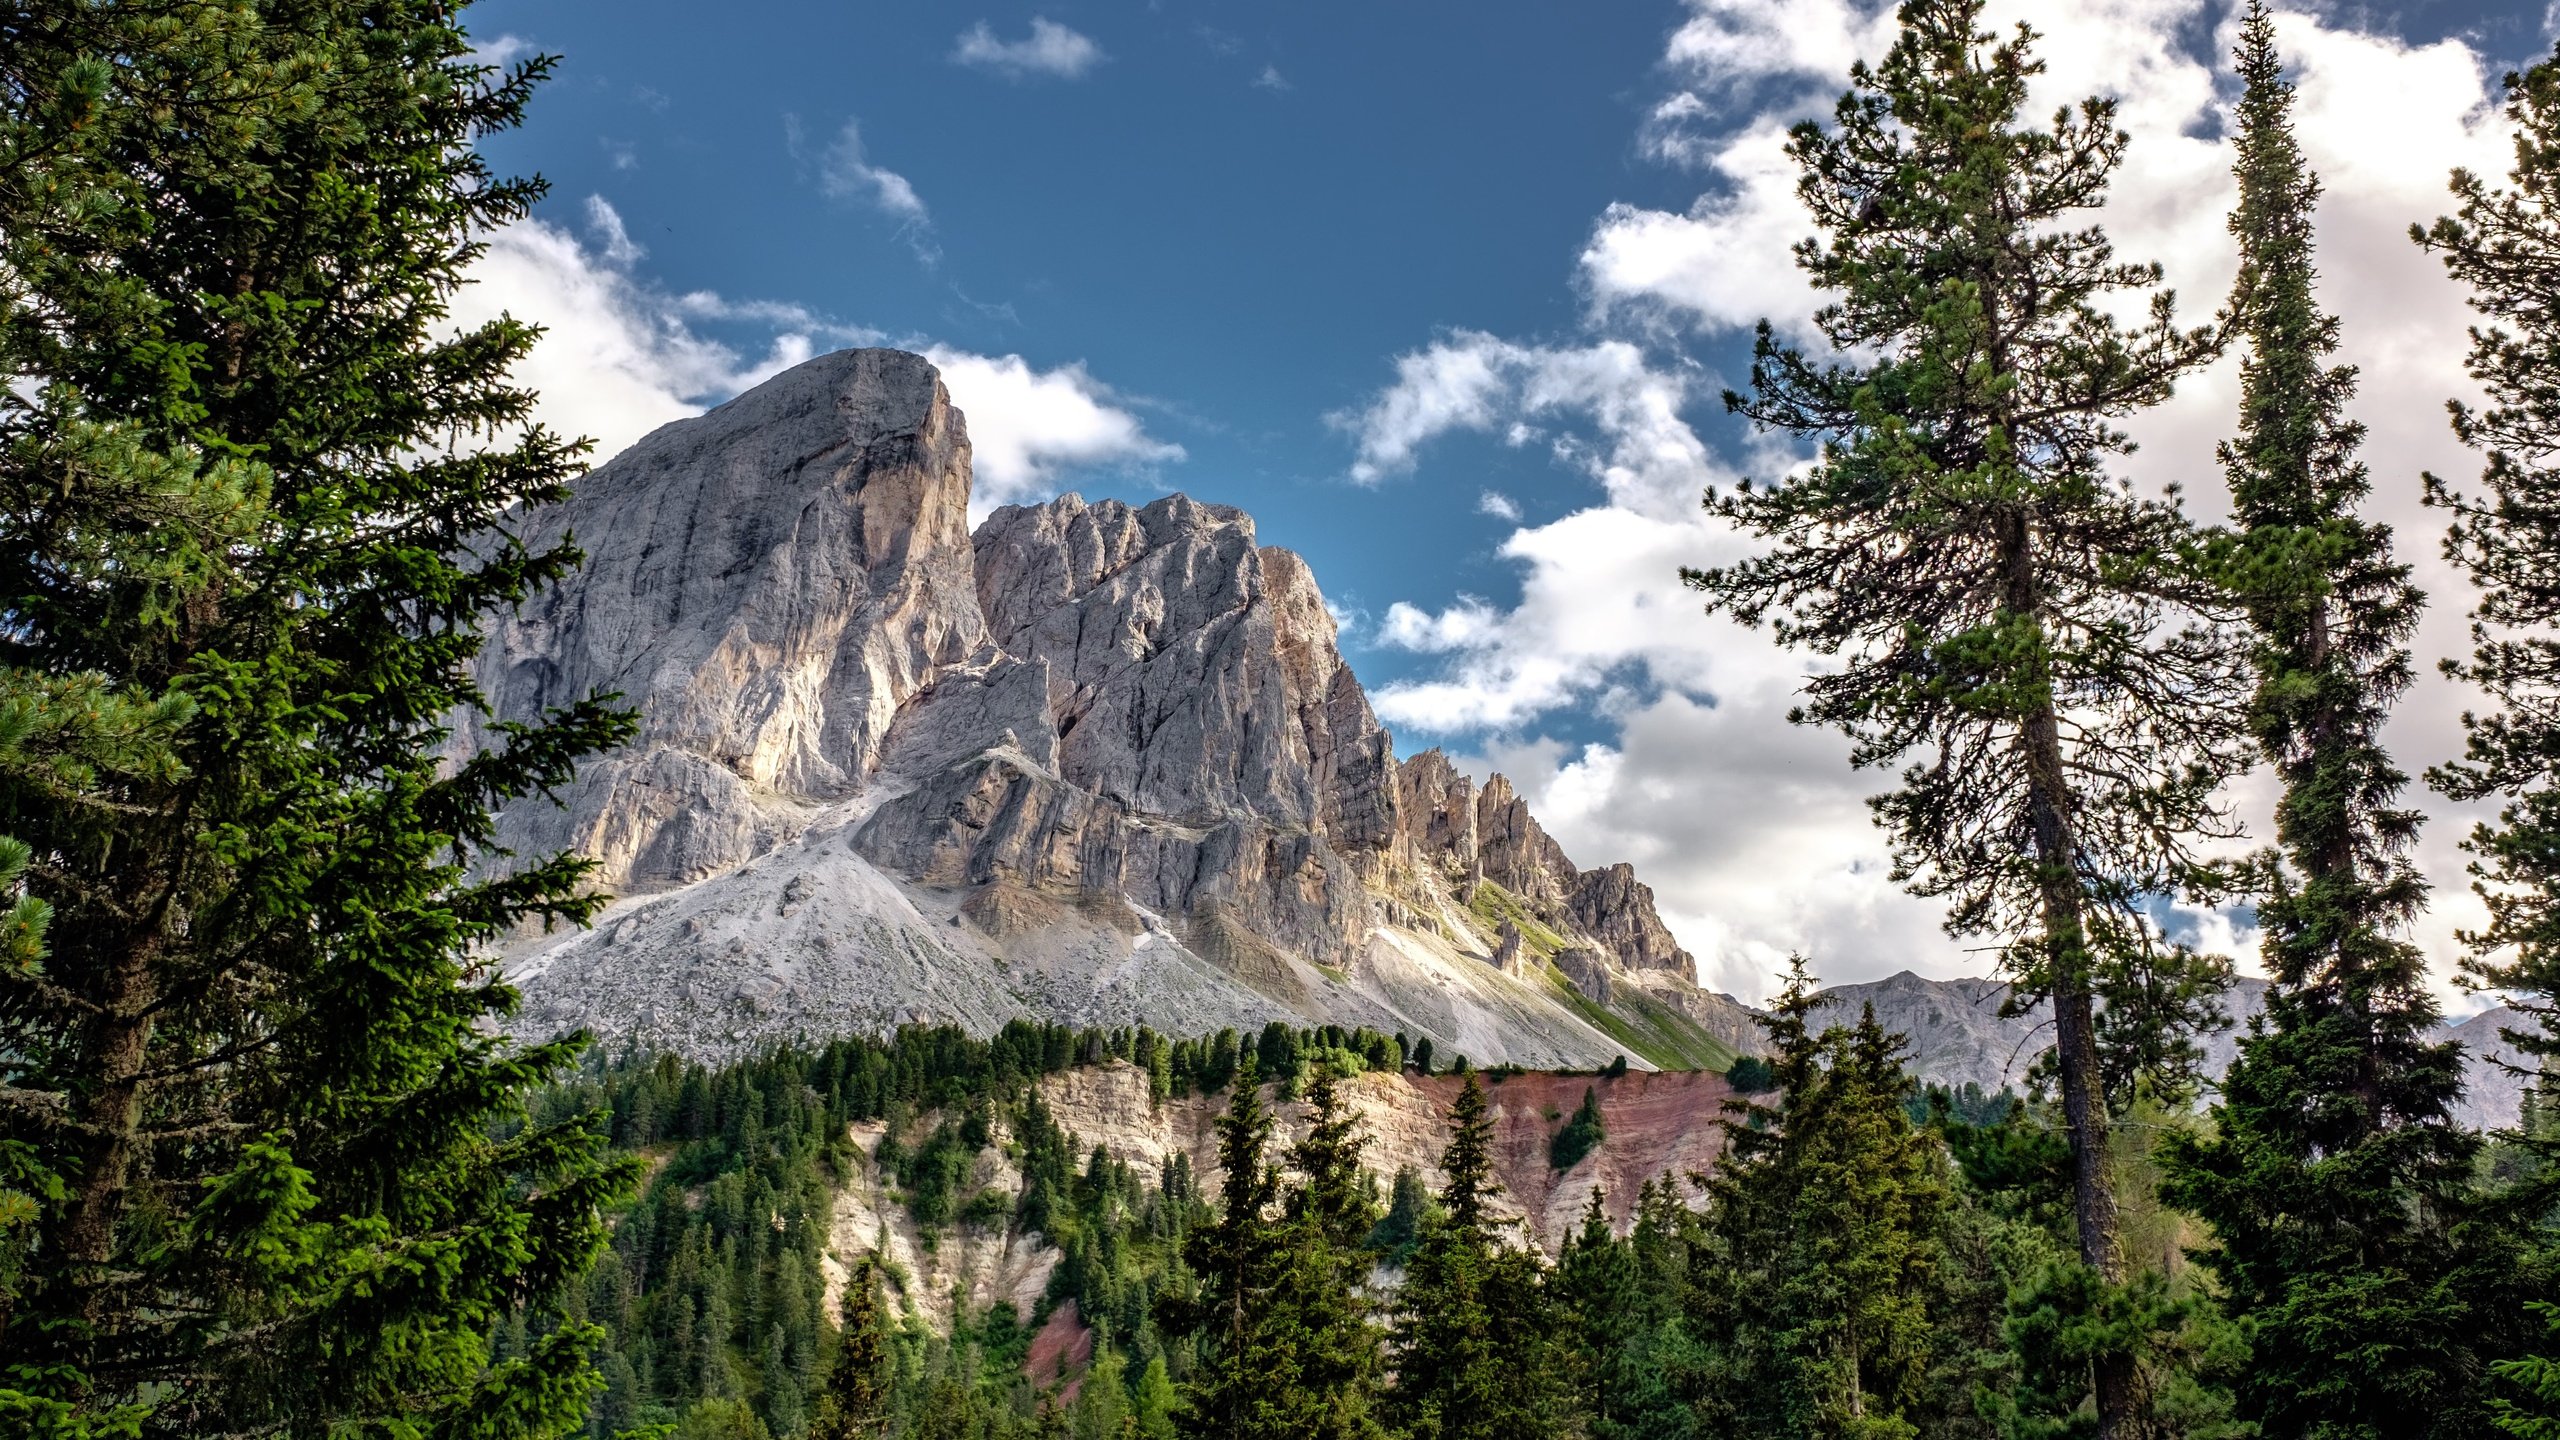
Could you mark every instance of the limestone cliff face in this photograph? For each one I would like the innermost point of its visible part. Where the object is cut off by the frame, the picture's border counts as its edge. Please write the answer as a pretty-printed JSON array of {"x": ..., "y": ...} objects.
[
  {"x": 1189, "y": 763},
  {"x": 767, "y": 585},
  {"x": 1096, "y": 762}
]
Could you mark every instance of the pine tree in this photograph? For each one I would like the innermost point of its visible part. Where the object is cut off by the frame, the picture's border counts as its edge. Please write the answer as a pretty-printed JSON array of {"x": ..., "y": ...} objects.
[
  {"x": 1156, "y": 1403},
  {"x": 1615, "y": 1317},
  {"x": 1820, "y": 1243},
  {"x": 1319, "y": 1301},
  {"x": 2334, "y": 1176},
  {"x": 2504, "y": 246},
  {"x": 256, "y": 505},
  {"x": 1996, "y": 600},
  {"x": 1243, "y": 1371},
  {"x": 855, "y": 1403},
  {"x": 1474, "y": 1345}
]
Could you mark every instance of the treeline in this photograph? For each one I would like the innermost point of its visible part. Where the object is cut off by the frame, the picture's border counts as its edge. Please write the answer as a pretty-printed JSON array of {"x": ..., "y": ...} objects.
[
  {"x": 709, "y": 1296},
  {"x": 1868, "y": 1260}
]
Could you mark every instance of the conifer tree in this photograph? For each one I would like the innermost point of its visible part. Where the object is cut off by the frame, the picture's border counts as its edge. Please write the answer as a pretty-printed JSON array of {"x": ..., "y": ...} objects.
[
  {"x": 1612, "y": 1319},
  {"x": 2503, "y": 245},
  {"x": 855, "y": 1404},
  {"x": 1474, "y": 1346},
  {"x": 256, "y": 507},
  {"x": 1156, "y": 1402},
  {"x": 1320, "y": 1301},
  {"x": 2334, "y": 1175},
  {"x": 2002, "y": 612},
  {"x": 1244, "y": 1368},
  {"x": 1821, "y": 1241}
]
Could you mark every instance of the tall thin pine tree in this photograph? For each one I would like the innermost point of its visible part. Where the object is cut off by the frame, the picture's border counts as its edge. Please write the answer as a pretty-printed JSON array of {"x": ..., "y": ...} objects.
[
  {"x": 2334, "y": 1175},
  {"x": 2503, "y": 244},
  {"x": 1997, "y": 601}
]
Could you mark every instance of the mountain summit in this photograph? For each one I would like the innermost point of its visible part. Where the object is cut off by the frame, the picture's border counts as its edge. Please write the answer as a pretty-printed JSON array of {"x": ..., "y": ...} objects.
[{"x": 1090, "y": 762}]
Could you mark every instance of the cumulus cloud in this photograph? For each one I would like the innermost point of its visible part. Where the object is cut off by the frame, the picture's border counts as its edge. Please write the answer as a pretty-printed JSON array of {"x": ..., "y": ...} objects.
[
  {"x": 1499, "y": 506},
  {"x": 620, "y": 356},
  {"x": 1028, "y": 428},
  {"x": 1050, "y": 49},
  {"x": 1752, "y": 831},
  {"x": 1640, "y": 448}
]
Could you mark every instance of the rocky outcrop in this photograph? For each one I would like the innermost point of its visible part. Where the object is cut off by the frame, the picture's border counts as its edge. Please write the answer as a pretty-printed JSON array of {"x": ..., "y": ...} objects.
[
  {"x": 1590, "y": 974},
  {"x": 766, "y": 585},
  {"x": 1615, "y": 908},
  {"x": 1095, "y": 761}
]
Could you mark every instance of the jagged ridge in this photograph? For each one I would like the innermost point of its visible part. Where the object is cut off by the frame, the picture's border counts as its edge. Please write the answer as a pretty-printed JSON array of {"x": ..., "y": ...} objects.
[{"x": 1093, "y": 762}]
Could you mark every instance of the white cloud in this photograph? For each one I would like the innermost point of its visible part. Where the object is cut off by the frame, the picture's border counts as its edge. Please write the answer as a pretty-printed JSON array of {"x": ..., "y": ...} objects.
[
  {"x": 1499, "y": 506},
  {"x": 1271, "y": 79},
  {"x": 620, "y": 357},
  {"x": 1028, "y": 427},
  {"x": 1642, "y": 451},
  {"x": 1727, "y": 261},
  {"x": 605, "y": 223},
  {"x": 846, "y": 173},
  {"x": 1466, "y": 625},
  {"x": 501, "y": 50},
  {"x": 1050, "y": 49},
  {"x": 1752, "y": 831}
]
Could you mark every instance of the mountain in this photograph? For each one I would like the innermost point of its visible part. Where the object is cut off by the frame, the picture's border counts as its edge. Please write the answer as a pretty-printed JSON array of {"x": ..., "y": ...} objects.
[
  {"x": 1957, "y": 1035},
  {"x": 1084, "y": 761}
]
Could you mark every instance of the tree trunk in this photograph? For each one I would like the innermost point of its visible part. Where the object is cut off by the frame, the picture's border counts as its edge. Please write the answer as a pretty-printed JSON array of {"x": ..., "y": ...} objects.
[
  {"x": 120, "y": 1038},
  {"x": 2066, "y": 946}
]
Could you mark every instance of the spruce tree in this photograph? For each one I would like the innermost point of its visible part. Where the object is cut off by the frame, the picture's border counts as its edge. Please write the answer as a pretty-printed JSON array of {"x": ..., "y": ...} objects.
[
  {"x": 1474, "y": 1345},
  {"x": 1615, "y": 1317},
  {"x": 258, "y": 501},
  {"x": 1995, "y": 607},
  {"x": 1245, "y": 1367},
  {"x": 1820, "y": 1241},
  {"x": 1319, "y": 1298},
  {"x": 855, "y": 1403},
  {"x": 2503, "y": 245},
  {"x": 2334, "y": 1176}
]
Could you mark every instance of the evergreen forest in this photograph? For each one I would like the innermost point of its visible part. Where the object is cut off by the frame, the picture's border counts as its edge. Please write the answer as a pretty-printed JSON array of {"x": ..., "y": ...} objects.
[{"x": 271, "y": 1163}]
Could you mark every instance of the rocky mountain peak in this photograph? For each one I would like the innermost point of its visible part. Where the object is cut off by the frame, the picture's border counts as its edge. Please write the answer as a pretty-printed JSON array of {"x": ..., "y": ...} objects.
[
  {"x": 767, "y": 584},
  {"x": 1093, "y": 761}
]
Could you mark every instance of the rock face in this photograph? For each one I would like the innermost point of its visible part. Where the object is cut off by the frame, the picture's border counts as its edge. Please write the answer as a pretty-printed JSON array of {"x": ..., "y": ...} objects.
[
  {"x": 1095, "y": 762},
  {"x": 767, "y": 585}
]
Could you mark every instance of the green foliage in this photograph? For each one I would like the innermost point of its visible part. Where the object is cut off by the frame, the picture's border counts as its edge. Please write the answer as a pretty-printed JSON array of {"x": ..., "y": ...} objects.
[
  {"x": 269, "y": 1167},
  {"x": 1475, "y": 1348},
  {"x": 2336, "y": 1179},
  {"x": 1580, "y": 1136},
  {"x": 1279, "y": 1322},
  {"x": 855, "y": 1403},
  {"x": 2029, "y": 633},
  {"x": 2537, "y": 1378},
  {"x": 1823, "y": 1237},
  {"x": 1751, "y": 1075},
  {"x": 2503, "y": 245}
]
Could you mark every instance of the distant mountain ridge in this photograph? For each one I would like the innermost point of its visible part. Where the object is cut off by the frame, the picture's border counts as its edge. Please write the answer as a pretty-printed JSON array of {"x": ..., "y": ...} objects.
[
  {"x": 1957, "y": 1036},
  {"x": 1086, "y": 761}
]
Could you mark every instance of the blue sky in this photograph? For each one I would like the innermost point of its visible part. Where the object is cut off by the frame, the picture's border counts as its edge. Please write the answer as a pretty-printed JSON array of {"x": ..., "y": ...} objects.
[
  {"x": 1235, "y": 219},
  {"x": 1442, "y": 294}
]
